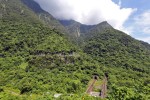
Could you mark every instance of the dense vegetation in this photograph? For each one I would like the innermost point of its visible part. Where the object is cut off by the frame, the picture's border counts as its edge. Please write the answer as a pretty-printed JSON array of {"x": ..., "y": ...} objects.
[
  {"x": 129, "y": 59},
  {"x": 37, "y": 62}
]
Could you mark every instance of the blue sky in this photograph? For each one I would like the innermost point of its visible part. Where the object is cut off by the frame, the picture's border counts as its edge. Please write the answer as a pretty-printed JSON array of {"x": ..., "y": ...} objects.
[
  {"x": 138, "y": 23},
  {"x": 130, "y": 16}
]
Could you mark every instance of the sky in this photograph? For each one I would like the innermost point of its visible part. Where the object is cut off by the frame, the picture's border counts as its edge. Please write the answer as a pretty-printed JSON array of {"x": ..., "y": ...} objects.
[{"x": 129, "y": 16}]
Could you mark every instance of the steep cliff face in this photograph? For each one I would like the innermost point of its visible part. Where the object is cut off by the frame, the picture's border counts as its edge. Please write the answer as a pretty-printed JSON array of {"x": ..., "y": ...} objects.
[
  {"x": 75, "y": 29},
  {"x": 15, "y": 10},
  {"x": 44, "y": 16}
]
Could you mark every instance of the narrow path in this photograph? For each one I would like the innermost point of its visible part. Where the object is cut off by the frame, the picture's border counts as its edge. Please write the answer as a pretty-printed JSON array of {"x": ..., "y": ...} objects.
[
  {"x": 103, "y": 93},
  {"x": 90, "y": 88}
]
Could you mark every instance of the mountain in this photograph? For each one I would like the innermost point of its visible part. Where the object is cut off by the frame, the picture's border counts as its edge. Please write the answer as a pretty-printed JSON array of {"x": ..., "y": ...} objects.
[
  {"x": 116, "y": 48},
  {"x": 110, "y": 46},
  {"x": 23, "y": 8},
  {"x": 38, "y": 62},
  {"x": 75, "y": 28},
  {"x": 34, "y": 58},
  {"x": 77, "y": 31},
  {"x": 16, "y": 11},
  {"x": 113, "y": 48},
  {"x": 47, "y": 18}
]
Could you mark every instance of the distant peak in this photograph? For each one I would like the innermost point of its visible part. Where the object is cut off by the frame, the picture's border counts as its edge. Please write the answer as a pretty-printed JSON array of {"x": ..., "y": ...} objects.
[
  {"x": 68, "y": 22},
  {"x": 33, "y": 5},
  {"x": 105, "y": 24}
]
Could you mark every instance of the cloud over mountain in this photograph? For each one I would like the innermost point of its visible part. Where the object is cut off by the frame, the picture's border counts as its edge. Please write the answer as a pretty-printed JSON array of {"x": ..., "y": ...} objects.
[
  {"x": 143, "y": 22},
  {"x": 88, "y": 11},
  {"x": 141, "y": 26}
]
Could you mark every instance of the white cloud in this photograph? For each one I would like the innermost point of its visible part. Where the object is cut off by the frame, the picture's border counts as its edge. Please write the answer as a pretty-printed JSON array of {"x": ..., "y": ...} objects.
[
  {"x": 88, "y": 11},
  {"x": 128, "y": 30},
  {"x": 143, "y": 22},
  {"x": 146, "y": 39},
  {"x": 140, "y": 27}
]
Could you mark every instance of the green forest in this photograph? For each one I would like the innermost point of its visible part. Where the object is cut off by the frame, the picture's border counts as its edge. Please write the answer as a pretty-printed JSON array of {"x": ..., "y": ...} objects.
[{"x": 39, "y": 60}]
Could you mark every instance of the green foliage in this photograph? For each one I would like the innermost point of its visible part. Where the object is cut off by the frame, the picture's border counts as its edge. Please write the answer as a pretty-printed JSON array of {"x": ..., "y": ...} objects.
[
  {"x": 127, "y": 62},
  {"x": 124, "y": 93},
  {"x": 37, "y": 62}
]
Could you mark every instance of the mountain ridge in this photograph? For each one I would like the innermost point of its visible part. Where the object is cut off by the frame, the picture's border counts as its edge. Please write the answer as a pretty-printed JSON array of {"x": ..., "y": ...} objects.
[
  {"x": 38, "y": 61},
  {"x": 43, "y": 15}
]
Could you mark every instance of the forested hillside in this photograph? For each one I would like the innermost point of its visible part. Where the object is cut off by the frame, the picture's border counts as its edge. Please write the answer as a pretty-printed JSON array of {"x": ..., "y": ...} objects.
[
  {"x": 38, "y": 61},
  {"x": 46, "y": 18},
  {"x": 115, "y": 50}
]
